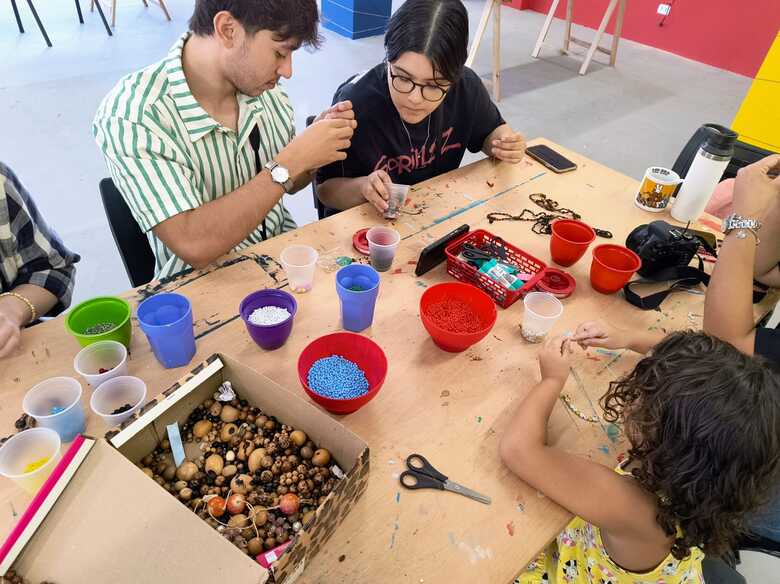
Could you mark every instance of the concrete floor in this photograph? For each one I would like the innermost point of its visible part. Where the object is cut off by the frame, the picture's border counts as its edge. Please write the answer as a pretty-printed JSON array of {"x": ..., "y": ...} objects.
[{"x": 630, "y": 117}]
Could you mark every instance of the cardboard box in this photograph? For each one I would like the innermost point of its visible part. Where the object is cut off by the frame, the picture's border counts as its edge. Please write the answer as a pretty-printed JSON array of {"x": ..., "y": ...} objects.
[
  {"x": 100, "y": 519},
  {"x": 356, "y": 19}
]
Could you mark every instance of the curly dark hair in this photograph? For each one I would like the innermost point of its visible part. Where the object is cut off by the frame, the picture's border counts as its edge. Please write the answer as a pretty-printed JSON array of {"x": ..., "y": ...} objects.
[
  {"x": 289, "y": 19},
  {"x": 703, "y": 423}
]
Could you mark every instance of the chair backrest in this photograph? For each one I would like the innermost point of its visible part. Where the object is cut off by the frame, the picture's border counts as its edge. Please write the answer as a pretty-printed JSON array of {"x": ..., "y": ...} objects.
[{"x": 133, "y": 245}]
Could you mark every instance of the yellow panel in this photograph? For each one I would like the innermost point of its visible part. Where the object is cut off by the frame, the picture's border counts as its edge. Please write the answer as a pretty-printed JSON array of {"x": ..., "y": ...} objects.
[
  {"x": 759, "y": 116},
  {"x": 759, "y": 143},
  {"x": 770, "y": 69}
]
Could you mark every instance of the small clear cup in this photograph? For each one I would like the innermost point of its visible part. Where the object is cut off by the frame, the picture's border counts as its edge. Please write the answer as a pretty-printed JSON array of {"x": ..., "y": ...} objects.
[{"x": 542, "y": 310}]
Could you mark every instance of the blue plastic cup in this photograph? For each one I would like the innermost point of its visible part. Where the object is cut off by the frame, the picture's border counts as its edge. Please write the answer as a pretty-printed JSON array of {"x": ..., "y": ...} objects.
[
  {"x": 357, "y": 286},
  {"x": 166, "y": 320}
]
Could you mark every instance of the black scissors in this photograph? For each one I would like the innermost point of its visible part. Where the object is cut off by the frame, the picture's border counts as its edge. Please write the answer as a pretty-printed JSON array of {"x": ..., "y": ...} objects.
[{"x": 422, "y": 475}]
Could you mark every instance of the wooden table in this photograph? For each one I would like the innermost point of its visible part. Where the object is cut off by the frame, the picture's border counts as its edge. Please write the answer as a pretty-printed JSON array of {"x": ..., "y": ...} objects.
[{"x": 452, "y": 408}]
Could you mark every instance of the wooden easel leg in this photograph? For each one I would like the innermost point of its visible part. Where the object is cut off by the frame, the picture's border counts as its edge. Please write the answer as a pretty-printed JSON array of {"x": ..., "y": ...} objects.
[
  {"x": 164, "y": 9},
  {"x": 497, "y": 52},
  {"x": 594, "y": 45},
  {"x": 545, "y": 29},
  {"x": 483, "y": 22},
  {"x": 567, "y": 32},
  {"x": 113, "y": 14},
  {"x": 616, "y": 34}
]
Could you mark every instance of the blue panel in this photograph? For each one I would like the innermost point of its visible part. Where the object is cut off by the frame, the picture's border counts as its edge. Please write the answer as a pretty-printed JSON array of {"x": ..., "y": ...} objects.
[{"x": 356, "y": 18}]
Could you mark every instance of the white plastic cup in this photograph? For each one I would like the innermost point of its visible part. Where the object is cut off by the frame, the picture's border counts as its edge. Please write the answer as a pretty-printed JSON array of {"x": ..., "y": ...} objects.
[
  {"x": 541, "y": 312},
  {"x": 26, "y": 448},
  {"x": 382, "y": 245},
  {"x": 299, "y": 263},
  {"x": 62, "y": 394},
  {"x": 114, "y": 394},
  {"x": 108, "y": 355},
  {"x": 396, "y": 201}
]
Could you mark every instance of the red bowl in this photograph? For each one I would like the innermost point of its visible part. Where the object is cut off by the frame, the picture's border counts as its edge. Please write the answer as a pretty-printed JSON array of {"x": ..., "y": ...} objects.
[
  {"x": 612, "y": 267},
  {"x": 361, "y": 350},
  {"x": 480, "y": 302}
]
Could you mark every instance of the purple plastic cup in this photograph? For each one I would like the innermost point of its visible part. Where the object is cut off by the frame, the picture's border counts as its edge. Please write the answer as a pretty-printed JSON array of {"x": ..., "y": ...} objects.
[{"x": 270, "y": 336}]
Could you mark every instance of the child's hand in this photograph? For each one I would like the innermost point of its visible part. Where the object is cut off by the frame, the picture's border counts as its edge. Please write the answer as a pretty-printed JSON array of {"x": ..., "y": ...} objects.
[
  {"x": 599, "y": 334},
  {"x": 554, "y": 359}
]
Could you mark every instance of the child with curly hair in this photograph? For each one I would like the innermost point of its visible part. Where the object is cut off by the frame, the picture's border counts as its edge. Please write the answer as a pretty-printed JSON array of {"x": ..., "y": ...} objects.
[{"x": 703, "y": 425}]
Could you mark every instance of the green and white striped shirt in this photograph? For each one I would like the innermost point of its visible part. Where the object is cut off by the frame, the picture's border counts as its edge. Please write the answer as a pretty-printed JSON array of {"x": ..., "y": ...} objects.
[{"x": 167, "y": 155}]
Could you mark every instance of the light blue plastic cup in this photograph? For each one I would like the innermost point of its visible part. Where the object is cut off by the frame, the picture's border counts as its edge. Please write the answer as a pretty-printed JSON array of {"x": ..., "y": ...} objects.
[
  {"x": 358, "y": 287},
  {"x": 56, "y": 404},
  {"x": 166, "y": 320}
]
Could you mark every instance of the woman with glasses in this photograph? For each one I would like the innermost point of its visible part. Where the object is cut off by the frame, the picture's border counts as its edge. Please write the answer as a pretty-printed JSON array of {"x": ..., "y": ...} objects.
[{"x": 416, "y": 112}]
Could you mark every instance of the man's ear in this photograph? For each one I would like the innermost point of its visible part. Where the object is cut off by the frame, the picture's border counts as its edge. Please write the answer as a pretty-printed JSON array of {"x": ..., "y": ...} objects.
[{"x": 227, "y": 30}]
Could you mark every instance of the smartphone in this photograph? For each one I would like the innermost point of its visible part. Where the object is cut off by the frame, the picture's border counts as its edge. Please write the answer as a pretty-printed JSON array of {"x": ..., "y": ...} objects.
[
  {"x": 550, "y": 158},
  {"x": 433, "y": 254}
]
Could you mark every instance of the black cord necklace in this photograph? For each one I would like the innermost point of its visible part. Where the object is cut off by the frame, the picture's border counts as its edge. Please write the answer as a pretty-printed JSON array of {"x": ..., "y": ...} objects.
[{"x": 542, "y": 219}]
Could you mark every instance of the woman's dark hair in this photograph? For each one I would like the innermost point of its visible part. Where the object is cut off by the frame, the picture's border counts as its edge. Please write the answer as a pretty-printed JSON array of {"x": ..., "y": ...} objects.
[
  {"x": 438, "y": 29},
  {"x": 289, "y": 19},
  {"x": 703, "y": 423}
]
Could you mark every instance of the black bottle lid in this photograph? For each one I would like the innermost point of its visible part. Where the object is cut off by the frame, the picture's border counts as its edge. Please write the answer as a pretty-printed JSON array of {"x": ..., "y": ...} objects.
[{"x": 720, "y": 140}]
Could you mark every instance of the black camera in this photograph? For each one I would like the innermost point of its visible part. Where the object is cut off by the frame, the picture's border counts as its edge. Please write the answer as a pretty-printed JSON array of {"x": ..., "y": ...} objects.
[{"x": 661, "y": 246}]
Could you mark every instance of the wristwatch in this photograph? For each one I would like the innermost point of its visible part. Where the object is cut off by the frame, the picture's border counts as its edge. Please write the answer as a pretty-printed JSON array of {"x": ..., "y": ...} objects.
[
  {"x": 280, "y": 175},
  {"x": 742, "y": 225}
]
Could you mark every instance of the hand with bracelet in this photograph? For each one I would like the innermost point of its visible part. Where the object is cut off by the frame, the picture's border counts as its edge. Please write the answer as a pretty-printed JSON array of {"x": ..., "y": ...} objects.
[
  {"x": 18, "y": 308},
  {"x": 728, "y": 309}
]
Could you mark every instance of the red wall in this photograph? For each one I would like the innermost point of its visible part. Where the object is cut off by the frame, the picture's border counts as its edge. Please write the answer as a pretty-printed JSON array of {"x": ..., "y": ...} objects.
[{"x": 729, "y": 34}]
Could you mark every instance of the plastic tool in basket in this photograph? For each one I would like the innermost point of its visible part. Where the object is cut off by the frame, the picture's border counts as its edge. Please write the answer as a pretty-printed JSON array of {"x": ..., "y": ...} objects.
[{"x": 465, "y": 272}]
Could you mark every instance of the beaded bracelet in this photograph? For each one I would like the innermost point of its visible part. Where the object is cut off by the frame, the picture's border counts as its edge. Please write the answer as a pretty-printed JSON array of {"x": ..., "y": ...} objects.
[
  {"x": 566, "y": 399},
  {"x": 30, "y": 305}
]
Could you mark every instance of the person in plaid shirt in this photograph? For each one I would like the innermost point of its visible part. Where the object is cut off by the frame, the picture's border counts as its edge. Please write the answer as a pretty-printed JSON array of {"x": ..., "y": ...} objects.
[{"x": 36, "y": 270}]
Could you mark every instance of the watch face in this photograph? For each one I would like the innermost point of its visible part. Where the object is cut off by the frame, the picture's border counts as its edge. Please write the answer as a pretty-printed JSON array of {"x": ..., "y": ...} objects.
[{"x": 280, "y": 175}]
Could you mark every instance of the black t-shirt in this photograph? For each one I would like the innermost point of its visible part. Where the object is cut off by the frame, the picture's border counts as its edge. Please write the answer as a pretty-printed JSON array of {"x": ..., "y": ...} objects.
[
  {"x": 465, "y": 118},
  {"x": 768, "y": 344}
]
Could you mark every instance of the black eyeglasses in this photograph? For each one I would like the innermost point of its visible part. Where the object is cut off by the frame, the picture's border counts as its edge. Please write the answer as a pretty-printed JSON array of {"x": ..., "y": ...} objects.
[{"x": 402, "y": 84}]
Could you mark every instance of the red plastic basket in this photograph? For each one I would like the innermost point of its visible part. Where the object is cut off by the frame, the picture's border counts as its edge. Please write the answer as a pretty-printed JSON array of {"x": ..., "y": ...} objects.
[{"x": 465, "y": 272}]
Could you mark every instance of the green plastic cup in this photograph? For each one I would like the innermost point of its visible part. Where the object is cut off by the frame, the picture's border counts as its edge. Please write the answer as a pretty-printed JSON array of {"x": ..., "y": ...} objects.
[{"x": 105, "y": 318}]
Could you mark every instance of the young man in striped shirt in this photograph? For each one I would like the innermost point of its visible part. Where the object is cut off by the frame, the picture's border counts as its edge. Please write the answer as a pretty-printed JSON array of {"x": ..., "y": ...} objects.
[{"x": 177, "y": 136}]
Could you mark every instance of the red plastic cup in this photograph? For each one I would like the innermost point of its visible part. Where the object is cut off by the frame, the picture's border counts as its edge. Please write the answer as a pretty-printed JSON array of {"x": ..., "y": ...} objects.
[
  {"x": 570, "y": 240},
  {"x": 612, "y": 267}
]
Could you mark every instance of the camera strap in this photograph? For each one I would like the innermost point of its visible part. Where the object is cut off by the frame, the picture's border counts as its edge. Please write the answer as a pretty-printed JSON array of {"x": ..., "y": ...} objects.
[{"x": 680, "y": 278}]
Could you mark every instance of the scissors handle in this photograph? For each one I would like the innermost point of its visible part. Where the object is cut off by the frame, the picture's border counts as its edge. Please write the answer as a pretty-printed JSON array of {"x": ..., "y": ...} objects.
[
  {"x": 420, "y": 465},
  {"x": 411, "y": 479}
]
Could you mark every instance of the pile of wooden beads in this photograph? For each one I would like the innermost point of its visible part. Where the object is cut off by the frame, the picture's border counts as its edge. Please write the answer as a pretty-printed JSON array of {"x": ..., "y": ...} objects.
[{"x": 257, "y": 481}]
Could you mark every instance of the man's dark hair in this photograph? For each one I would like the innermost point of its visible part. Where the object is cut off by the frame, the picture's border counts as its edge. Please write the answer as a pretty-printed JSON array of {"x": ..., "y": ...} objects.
[
  {"x": 288, "y": 19},
  {"x": 438, "y": 29},
  {"x": 703, "y": 424}
]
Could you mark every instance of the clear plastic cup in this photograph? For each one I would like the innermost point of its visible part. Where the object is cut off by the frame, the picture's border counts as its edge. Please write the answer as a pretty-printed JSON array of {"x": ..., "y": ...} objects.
[
  {"x": 299, "y": 263},
  {"x": 541, "y": 312},
  {"x": 115, "y": 394},
  {"x": 110, "y": 357},
  {"x": 29, "y": 457},
  {"x": 56, "y": 403},
  {"x": 396, "y": 201},
  {"x": 382, "y": 245}
]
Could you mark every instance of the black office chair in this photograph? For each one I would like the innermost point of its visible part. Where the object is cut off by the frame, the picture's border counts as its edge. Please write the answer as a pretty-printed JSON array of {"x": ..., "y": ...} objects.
[{"x": 137, "y": 255}]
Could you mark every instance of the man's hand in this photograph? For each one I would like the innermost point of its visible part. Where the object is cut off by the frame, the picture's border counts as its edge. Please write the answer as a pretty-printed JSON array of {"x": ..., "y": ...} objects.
[
  {"x": 340, "y": 111},
  {"x": 554, "y": 359},
  {"x": 754, "y": 189},
  {"x": 509, "y": 148},
  {"x": 376, "y": 189},
  {"x": 320, "y": 144},
  {"x": 10, "y": 335}
]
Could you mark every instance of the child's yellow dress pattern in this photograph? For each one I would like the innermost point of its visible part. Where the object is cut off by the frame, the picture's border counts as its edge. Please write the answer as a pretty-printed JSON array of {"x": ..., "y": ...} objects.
[{"x": 578, "y": 556}]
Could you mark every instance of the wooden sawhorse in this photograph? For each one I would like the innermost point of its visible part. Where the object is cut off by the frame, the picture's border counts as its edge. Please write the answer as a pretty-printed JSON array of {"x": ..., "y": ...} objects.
[{"x": 592, "y": 46}]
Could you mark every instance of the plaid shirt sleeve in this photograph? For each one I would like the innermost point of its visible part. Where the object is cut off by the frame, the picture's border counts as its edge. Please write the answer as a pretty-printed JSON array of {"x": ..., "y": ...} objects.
[{"x": 30, "y": 251}]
